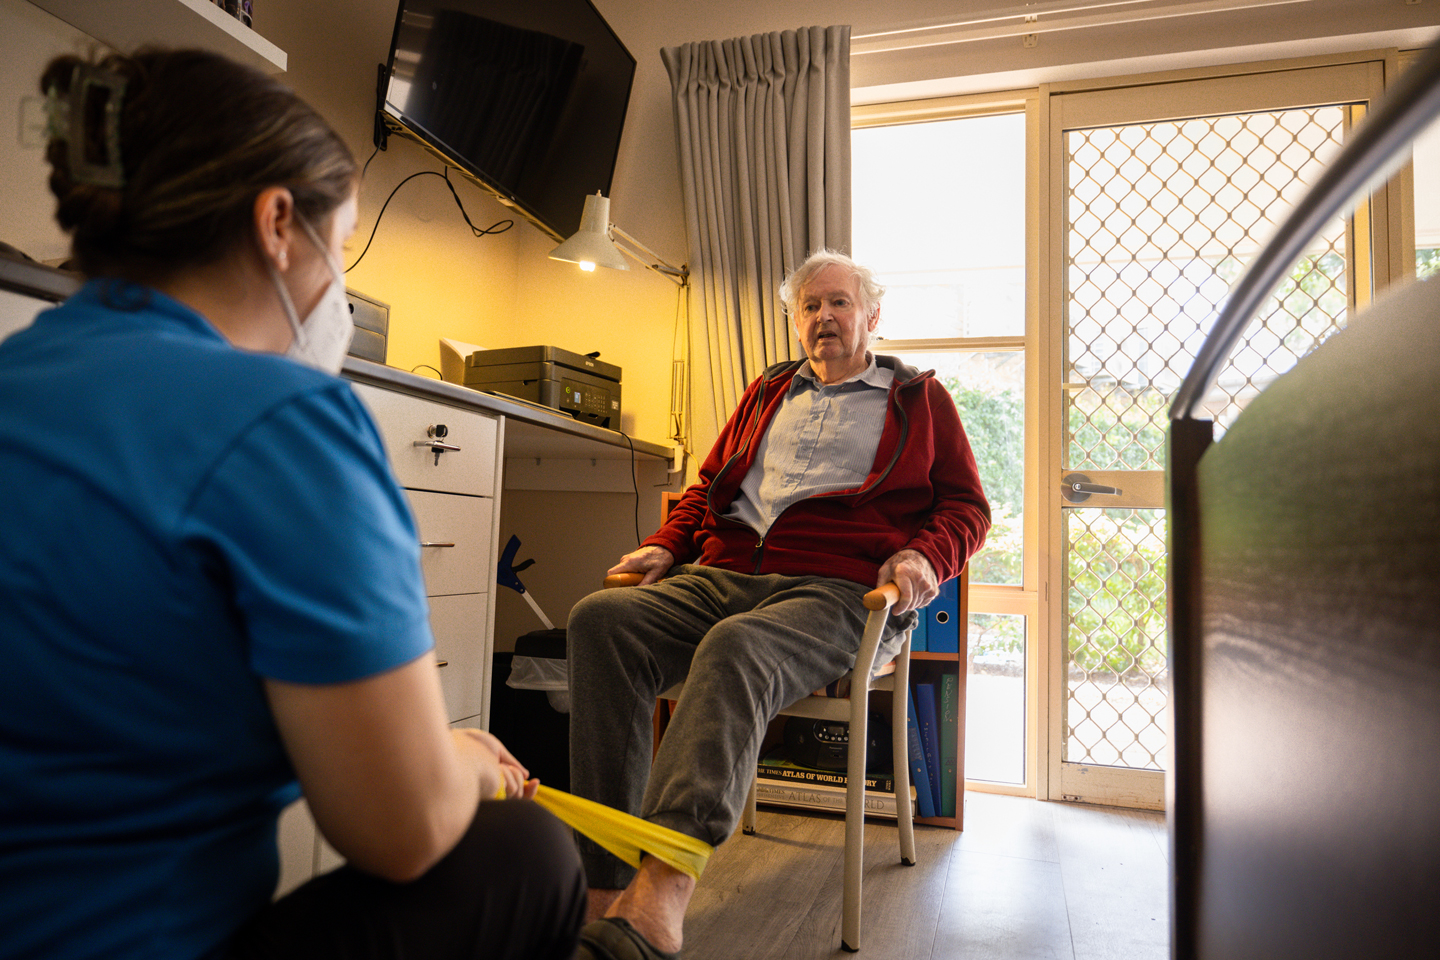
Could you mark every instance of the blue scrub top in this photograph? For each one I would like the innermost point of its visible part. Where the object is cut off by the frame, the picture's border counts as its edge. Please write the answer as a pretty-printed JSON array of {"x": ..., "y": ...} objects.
[{"x": 180, "y": 520}]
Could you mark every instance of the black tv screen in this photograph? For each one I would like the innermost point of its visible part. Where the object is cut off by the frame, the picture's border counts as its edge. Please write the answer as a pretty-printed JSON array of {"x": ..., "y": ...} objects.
[{"x": 527, "y": 96}]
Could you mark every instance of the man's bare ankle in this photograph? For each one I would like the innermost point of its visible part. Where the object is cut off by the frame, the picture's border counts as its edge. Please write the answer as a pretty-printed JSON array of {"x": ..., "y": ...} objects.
[{"x": 655, "y": 904}]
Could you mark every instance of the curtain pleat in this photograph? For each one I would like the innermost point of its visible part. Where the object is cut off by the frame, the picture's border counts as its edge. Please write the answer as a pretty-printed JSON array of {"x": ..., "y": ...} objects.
[{"x": 762, "y": 126}]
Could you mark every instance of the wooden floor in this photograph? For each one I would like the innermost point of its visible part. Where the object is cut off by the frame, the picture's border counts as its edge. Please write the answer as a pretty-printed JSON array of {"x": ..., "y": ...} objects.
[{"x": 1025, "y": 879}]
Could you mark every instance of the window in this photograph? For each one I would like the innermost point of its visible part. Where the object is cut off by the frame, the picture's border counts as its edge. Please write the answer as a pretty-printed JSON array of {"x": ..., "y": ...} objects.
[
  {"x": 1427, "y": 203},
  {"x": 939, "y": 214}
]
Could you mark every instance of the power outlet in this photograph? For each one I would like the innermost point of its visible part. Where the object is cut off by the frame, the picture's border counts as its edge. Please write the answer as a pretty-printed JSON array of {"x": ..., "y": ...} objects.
[{"x": 1030, "y": 40}]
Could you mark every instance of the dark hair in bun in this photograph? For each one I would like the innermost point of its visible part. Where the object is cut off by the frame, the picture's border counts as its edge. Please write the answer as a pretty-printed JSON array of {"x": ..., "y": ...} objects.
[{"x": 199, "y": 137}]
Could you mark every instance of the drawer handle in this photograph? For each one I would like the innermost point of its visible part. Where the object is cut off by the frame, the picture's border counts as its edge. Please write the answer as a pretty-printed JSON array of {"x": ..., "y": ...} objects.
[
  {"x": 442, "y": 663},
  {"x": 437, "y": 447},
  {"x": 432, "y": 543}
]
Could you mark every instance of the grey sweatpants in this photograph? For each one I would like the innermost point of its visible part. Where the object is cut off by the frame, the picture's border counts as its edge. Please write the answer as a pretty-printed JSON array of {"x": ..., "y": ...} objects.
[{"x": 747, "y": 646}]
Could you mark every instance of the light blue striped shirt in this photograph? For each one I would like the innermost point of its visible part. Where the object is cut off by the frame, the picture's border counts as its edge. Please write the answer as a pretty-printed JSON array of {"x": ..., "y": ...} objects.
[{"x": 823, "y": 438}]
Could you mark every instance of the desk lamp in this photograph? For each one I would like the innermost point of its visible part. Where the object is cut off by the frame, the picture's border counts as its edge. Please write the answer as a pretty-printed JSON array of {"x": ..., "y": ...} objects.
[{"x": 599, "y": 242}]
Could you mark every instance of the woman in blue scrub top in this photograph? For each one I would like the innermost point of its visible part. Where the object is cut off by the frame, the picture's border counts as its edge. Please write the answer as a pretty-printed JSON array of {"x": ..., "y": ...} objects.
[{"x": 210, "y": 590}]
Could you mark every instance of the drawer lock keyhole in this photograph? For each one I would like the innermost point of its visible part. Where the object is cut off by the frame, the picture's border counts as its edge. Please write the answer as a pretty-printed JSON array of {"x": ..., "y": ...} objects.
[{"x": 437, "y": 432}]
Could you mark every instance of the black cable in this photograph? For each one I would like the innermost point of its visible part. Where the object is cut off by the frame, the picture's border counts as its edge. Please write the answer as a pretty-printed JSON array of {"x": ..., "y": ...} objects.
[
  {"x": 426, "y": 366},
  {"x": 634, "y": 483},
  {"x": 493, "y": 228},
  {"x": 367, "y": 163}
]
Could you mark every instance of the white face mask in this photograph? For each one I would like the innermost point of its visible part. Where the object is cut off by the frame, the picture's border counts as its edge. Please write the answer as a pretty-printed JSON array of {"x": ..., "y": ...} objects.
[{"x": 323, "y": 338}]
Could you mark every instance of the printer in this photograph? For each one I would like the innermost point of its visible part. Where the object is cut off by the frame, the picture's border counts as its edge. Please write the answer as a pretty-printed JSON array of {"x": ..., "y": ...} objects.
[{"x": 572, "y": 383}]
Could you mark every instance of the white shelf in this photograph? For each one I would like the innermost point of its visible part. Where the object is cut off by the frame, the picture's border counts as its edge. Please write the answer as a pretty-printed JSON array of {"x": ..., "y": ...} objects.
[{"x": 172, "y": 23}]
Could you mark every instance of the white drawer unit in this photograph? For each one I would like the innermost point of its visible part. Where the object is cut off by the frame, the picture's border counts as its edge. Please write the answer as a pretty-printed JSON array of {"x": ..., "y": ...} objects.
[{"x": 446, "y": 458}]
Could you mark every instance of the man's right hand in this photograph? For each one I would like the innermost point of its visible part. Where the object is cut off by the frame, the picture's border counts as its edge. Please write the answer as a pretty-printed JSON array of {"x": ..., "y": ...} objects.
[{"x": 652, "y": 561}]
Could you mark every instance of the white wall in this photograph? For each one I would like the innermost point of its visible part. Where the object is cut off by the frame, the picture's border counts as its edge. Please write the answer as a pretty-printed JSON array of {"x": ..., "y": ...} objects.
[{"x": 29, "y": 38}]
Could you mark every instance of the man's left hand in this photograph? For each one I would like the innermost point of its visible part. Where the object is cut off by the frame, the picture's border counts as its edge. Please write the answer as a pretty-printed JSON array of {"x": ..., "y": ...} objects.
[{"x": 915, "y": 577}]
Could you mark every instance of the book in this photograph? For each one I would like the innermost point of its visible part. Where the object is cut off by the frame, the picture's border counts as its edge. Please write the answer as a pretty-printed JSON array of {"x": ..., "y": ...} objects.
[
  {"x": 819, "y": 796},
  {"x": 775, "y": 766},
  {"x": 927, "y": 715},
  {"x": 919, "y": 775},
  {"x": 949, "y": 741}
]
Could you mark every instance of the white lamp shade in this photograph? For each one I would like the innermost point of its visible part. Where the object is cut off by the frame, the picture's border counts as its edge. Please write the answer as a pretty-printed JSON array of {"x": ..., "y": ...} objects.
[{"x": 592, "y": 243}]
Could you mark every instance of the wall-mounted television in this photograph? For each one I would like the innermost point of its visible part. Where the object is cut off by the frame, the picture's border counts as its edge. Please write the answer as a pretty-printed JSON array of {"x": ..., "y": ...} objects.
[{"x": 526, "y": 97}]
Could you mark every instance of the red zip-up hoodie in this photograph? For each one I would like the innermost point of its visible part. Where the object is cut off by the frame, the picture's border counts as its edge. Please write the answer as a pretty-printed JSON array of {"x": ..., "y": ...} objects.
[{"x": 922, "y": 493}]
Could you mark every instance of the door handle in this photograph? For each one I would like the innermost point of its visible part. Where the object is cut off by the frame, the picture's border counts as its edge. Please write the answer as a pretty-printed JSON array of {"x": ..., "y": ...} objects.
[{"x": 1077, "y": 488}]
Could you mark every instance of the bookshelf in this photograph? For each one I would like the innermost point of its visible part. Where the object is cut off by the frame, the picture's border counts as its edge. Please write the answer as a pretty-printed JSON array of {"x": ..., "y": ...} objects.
[
  {"x": 929, "y": 666},
  {"x": 176, "y": 23}
]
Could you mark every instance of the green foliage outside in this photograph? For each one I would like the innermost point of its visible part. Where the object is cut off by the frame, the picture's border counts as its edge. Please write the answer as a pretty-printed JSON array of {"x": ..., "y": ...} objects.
[
  {"x": 1117, "y": 562},
  {"x": 1133, "y": 439},
  {"x": 1117, "y": 592},
  {"x": 1427, "y": 263},
  {"x": 995, "y": 425}
]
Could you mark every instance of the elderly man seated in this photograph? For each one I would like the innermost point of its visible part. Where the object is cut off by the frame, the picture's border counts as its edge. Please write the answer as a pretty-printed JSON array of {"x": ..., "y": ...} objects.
[{"x": 834, "y": 475}]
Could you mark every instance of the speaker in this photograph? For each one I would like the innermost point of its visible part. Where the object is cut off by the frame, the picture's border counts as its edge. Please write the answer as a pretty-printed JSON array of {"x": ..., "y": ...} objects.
[{"x": 825, "y": 744}]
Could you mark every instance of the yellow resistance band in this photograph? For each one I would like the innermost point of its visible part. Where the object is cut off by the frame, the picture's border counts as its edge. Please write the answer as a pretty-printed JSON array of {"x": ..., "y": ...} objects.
[{"x": 626, "y": 836}]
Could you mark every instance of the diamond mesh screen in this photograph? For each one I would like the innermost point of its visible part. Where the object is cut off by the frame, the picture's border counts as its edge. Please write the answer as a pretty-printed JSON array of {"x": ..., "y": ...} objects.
[
  {"x": 1161, "y": 218},
  {"x": 1118, "y": 677}
]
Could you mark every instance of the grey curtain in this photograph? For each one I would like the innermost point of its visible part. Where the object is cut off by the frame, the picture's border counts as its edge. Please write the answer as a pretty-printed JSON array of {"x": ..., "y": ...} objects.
[{"x": 763, "y": 130}]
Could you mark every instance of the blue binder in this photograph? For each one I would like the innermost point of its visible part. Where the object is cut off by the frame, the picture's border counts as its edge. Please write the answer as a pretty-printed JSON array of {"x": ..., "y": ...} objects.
[
  {"x": 919, "y": 635},
  {"x": 942, "y": 628}
]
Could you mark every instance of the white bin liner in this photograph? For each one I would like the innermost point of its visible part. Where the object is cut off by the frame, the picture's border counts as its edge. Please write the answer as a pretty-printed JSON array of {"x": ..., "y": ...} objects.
[{"x": 542, "y": 673}]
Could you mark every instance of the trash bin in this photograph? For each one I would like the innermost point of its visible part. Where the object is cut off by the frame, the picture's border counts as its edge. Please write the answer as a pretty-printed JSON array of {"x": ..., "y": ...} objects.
[{"x": 530, "y": 705}]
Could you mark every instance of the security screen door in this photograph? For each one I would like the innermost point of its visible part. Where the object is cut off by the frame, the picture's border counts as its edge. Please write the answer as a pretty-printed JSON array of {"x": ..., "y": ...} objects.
[{"x": 1166, "y": 192}]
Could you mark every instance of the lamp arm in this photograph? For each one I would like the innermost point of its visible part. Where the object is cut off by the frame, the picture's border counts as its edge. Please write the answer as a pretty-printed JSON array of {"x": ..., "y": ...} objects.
[{"x": 652, "y": 260}]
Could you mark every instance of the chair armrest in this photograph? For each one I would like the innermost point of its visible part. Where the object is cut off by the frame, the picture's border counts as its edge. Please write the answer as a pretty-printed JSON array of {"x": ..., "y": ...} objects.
[{"x": 882, "y": 597}]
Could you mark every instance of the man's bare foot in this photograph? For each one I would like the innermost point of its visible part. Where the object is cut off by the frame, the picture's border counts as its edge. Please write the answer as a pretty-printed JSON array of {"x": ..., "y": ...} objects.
[{"x": 655, "y": 904}]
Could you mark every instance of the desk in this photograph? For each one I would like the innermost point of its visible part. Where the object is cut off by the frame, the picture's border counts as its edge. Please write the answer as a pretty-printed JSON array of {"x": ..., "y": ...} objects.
[{"x": 576, "y": 495}]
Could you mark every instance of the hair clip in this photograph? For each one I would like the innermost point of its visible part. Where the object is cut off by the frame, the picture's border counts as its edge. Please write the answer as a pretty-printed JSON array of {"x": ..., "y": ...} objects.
[{"x": 87, "y": 119}]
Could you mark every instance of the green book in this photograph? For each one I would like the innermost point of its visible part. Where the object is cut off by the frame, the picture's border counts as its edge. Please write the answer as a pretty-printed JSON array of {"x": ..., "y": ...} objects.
[{"x": 949, "y": 741}]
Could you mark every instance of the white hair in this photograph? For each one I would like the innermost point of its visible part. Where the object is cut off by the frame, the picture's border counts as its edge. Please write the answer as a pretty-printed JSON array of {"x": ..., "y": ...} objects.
[{"x": 870, "y": 290}]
